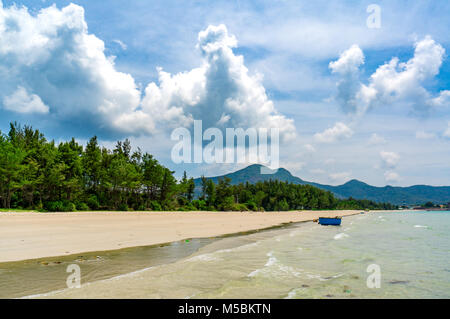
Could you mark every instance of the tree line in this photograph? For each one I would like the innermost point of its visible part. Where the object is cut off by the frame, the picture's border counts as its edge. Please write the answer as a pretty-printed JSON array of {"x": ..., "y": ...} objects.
[
  {"x": 274, "y": 195},
  {"x": 39, "y": 174}
]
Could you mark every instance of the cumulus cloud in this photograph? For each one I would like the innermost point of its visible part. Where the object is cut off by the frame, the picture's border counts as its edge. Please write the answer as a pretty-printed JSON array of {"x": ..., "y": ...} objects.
[
  {"x": 393, "y": 82},
  {"x": 347, "y": 67},
  {"x": 349, "y": 61},
  {"x": 389, "y": 163},
  {"x": 52, "y": 55},
  {"x": 50, "y": 63},
  {"x": 337, "y": 132},
  {"x": 443, "y": 99},
  {"x": 376, "y": 139},
  {"x": 447, "y": 131},
  {"x": 391, "y": 176},
  {"x": 23, "y": 102},
  {"x": 221, "y": 92},
  {"x": 310, "y": 148},
  {"x": 389, "y": 159}
]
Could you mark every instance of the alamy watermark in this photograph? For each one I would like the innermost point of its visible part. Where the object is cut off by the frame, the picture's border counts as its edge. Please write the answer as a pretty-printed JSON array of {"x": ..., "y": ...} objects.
[
  {"x": 252, "y": 145},
  {"x": 74, "y": 279},
  {"x": 374, "y": 279},
  {"x": 374, "y": 19}
]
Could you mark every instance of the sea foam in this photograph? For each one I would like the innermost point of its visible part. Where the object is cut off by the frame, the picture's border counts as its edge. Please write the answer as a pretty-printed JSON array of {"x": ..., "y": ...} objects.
[{"x": 340, "y": 236}]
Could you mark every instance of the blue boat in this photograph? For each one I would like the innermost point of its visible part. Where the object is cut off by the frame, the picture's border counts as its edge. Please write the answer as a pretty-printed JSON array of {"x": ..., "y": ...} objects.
[{"x": 335, "y": 221}]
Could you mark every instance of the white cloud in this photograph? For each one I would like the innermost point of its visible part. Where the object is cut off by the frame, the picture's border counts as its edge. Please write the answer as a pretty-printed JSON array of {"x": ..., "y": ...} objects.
[
  {"x": 23, "y": 102},
  {"x": 443, "y": 100},
  {"x": 52, "y": 55},
  {"x": 424, "y": 135},
  {"x": 392, "y": 82},
  {"x": 220, "y": 92},
  {"x": 318, "y": 31},
  {"x": 389, "y": 159},
  {"x": 391, "y": 176},
  {"x": 447, "y": 131},
  {"x": 337, "y": 132},
  {"x": 349, "y": 61},
  {"x": 340, "y": 177},
  {"x": 376, "y": 139},
  {"x": 347, "y": 67},
  {"x": 389, "y": 163},
  {"x": 310, "y": 148},
  {"x": 122, "y": 45}
]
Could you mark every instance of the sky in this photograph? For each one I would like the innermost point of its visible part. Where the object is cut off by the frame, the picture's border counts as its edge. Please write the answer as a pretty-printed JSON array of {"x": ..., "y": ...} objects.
[{"x": 351, "y": 101}]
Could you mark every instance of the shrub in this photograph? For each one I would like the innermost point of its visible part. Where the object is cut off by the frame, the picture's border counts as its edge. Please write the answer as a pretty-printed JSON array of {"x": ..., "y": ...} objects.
[
  {"x": 56, "y": 206},
  {"x": 82, "y": 206},
  {"x": 251, "y": 205},
  {"x": 39, "y": 206},
  {"x": 199, "y": 204},
  {"x": 190, "y": 207},
  {"x": 93, "y": 203},
  {"x": 227, "y": 203},
  {"x": 154, "y": 205},
  {"x": 282, "y": 206},
  {"x": 239, "y": 208},
  {"x": 60, "y": 206},
  {"x": 69, "y": 206},
  {"x": 123, "y": 207}
]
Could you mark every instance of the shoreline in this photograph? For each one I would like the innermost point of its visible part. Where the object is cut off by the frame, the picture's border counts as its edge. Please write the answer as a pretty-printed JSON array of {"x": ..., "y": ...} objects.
[{"x": 30, "y": 235}]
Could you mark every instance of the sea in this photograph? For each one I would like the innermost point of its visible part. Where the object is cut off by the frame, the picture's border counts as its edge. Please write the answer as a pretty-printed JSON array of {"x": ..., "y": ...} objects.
[{"x": 371, "y": 255}]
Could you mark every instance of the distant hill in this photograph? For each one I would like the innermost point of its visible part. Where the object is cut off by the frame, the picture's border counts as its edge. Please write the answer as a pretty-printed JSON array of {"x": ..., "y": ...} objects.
[{"x": 411, "y": 195}]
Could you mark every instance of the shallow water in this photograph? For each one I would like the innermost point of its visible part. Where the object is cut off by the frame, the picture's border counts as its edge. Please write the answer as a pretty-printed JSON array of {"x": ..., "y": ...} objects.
[
  {"x": 37, "y": 276},
  {"x": 306, "y": 260}
]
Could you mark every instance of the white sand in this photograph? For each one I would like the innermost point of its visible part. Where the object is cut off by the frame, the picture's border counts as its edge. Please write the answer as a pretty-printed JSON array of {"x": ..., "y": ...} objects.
[{"x": 35, "y": 235}]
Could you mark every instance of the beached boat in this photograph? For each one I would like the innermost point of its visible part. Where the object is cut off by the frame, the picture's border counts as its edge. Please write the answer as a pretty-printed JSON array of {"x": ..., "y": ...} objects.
[{"x": 334, "y": 221}]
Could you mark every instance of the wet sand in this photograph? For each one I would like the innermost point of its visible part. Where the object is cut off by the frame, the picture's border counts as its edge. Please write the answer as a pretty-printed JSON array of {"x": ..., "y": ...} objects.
[{"x": 30, "y": 235}]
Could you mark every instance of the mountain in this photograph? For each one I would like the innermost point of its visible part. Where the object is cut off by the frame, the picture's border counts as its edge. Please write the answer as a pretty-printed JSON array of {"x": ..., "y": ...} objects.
[{"x": 411, "y": 195}]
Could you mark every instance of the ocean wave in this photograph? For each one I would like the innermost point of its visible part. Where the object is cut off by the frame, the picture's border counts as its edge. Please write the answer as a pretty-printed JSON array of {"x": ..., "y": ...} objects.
[
  {"x": 204, "y": 257},
  {"x": 238, "y": 248},
  {"x": 254, "y": 272},
  {"x": 291, "y": 294},
  {"x": 274, "y": 267},
  {"x": 340, "y": 236},
  {"x": 319, "y": 277},
  {"x": 213, "y": 256},
  {"x": 272, "y": 260}
]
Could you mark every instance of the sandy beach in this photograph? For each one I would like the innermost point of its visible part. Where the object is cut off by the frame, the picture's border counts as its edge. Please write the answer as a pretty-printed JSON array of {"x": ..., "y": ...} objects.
[{"x": 30, "y": 235}]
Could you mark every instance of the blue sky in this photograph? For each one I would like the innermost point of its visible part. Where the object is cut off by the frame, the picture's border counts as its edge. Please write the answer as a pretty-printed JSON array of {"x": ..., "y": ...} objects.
[{"x": 92, "y": 68}]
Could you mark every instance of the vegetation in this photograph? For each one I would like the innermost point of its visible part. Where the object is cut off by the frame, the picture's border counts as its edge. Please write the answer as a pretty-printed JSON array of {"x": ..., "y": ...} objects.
[
  {"x": 431, "y": 205},
  {"x": 396, "y": 195},
  {"x": 38, "y": 174},
  {"x": 274, "y": 195}
]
